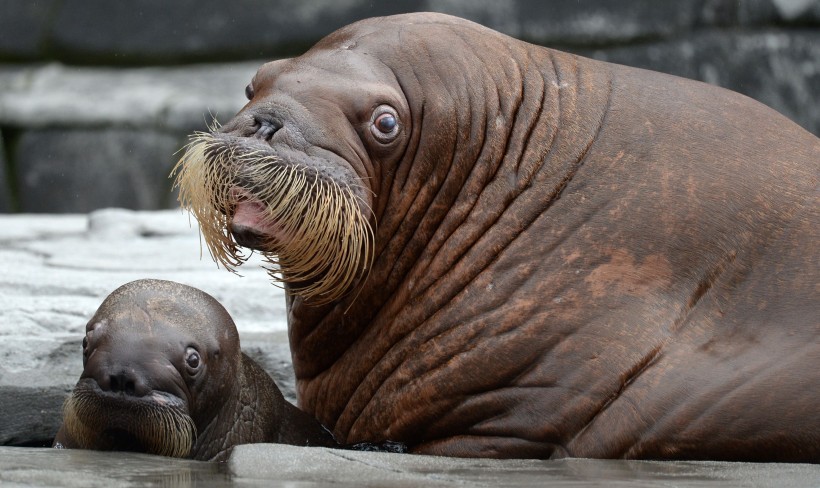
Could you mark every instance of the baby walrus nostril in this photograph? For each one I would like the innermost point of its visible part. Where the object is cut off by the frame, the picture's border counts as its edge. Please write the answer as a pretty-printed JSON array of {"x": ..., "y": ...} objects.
[{"x": 125, "y": 382}]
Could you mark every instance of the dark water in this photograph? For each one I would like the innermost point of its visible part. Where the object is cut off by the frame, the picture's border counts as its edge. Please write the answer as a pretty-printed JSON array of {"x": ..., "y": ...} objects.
[{"x": 70, "y": 468}]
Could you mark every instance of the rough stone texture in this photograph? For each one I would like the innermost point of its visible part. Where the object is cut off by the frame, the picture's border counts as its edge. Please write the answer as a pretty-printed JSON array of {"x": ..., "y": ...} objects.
[
  {"x": 23, "y": 28},
  {"x": 56, "y": 270},
  {"x": 143, "y": 31},
  {"x": 196, "y": 29},
  {"x": 76, "y": 154},
  {"x": 574, "y": 23},
  {"x": 5, "y": 187},
  {"x": 780, "y": 70},
  {"x": 807, "y": 11},
  {"x": 747, "y": 13},
  {"x": 81, "y": 170},
  {"x": 266, "y": 465}
]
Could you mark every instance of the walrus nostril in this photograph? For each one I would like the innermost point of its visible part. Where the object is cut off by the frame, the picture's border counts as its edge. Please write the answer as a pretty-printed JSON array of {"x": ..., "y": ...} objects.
[
  {"x": 124, "y": 383},
  {"x": 265, "y": 128}
]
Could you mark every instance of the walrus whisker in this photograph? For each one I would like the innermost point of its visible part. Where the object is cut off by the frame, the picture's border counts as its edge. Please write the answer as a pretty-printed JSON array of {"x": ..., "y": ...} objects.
[
  {"x": 205, "y": 200},
  {"x": 328, "y": 243},
  {"x": 214, "y": 124}
]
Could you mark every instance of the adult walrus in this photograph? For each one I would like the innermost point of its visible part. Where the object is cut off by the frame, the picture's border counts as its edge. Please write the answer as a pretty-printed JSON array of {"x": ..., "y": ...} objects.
[
  {"x": 496, "y": 249},
  {"x": 163, "y": 374}
]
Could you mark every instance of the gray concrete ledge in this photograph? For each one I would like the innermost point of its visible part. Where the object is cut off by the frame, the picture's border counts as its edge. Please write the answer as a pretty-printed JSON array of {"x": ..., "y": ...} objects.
[
  {"x": 179, "y": 99},
  {"x": 79, "y": 139}
]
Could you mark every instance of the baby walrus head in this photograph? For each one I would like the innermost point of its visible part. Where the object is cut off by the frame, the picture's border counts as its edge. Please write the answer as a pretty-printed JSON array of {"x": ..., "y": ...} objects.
[{"x": 163, "y": 374}]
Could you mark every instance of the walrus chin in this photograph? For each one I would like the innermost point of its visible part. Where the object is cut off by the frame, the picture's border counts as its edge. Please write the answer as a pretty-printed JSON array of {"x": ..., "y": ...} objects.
[
  {"x": 157, "y": 424},
  {"x": 313, "y": 231}
]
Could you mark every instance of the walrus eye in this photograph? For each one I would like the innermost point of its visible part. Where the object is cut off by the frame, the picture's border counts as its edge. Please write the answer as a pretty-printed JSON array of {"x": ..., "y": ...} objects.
[
  {"x": 384, "y": 125},
  {"x": 249, "y": 91},
  {"x": 192, "y": 358}
]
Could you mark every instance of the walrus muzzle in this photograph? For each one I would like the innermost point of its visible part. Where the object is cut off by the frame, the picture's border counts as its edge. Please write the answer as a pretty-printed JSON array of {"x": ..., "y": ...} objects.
[
  {"x": 157, "y": 424},
  {"x": 311, "y": 229}
]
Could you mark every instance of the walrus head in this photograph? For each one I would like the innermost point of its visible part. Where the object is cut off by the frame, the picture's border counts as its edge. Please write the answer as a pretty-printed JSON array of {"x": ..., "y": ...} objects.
[
  {"x": 293, "y": 174},
  {"x": 156, "y": 368}
]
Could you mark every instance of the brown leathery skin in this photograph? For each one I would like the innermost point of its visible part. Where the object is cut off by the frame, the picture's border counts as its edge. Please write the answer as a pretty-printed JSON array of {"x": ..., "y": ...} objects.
[
  {"x": 136, "y": 370},
  {"x": 572, "y": 258}
]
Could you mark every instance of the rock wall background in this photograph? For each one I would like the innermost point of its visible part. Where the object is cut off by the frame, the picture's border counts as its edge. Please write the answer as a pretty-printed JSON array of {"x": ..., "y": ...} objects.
[{"x": 96, "y": 96}]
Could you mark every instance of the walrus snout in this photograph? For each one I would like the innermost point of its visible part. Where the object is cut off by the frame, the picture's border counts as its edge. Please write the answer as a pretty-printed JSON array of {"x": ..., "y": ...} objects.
[
  {"x": 304, "y": 208},
  {"x": 265, "y": 127},
  {"x": 253, "y": 123},
  {"x": 116, "y": 360},
  {"x": 89, "y": 389},
  {"x": 123, "y": 381},
  {"x": 247, "y": 236}
]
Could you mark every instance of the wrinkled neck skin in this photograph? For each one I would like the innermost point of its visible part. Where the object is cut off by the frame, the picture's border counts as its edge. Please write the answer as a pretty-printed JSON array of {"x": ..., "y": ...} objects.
[
  {"x": 242, "y": 417},
  {"x": 257, "y": 412},
  {"x": 216, "y": 438},
  {"x": 433, "y": 211},
  {"x": 540, "y": 267}
]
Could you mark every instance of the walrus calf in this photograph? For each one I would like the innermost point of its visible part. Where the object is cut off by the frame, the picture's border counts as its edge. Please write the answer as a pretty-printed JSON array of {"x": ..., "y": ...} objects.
[
  {"x": 497, "y": 249},
  {"x": 163, "y": 374}
]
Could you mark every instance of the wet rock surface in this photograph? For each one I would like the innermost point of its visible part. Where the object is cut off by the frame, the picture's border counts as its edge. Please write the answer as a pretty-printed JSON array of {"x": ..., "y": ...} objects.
[
  {"x": 58, "y": 269},
  {"x": 270, "y": 461},
  {"x": 90, "y": 469},
  {"x": 276, "y": 465}
]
